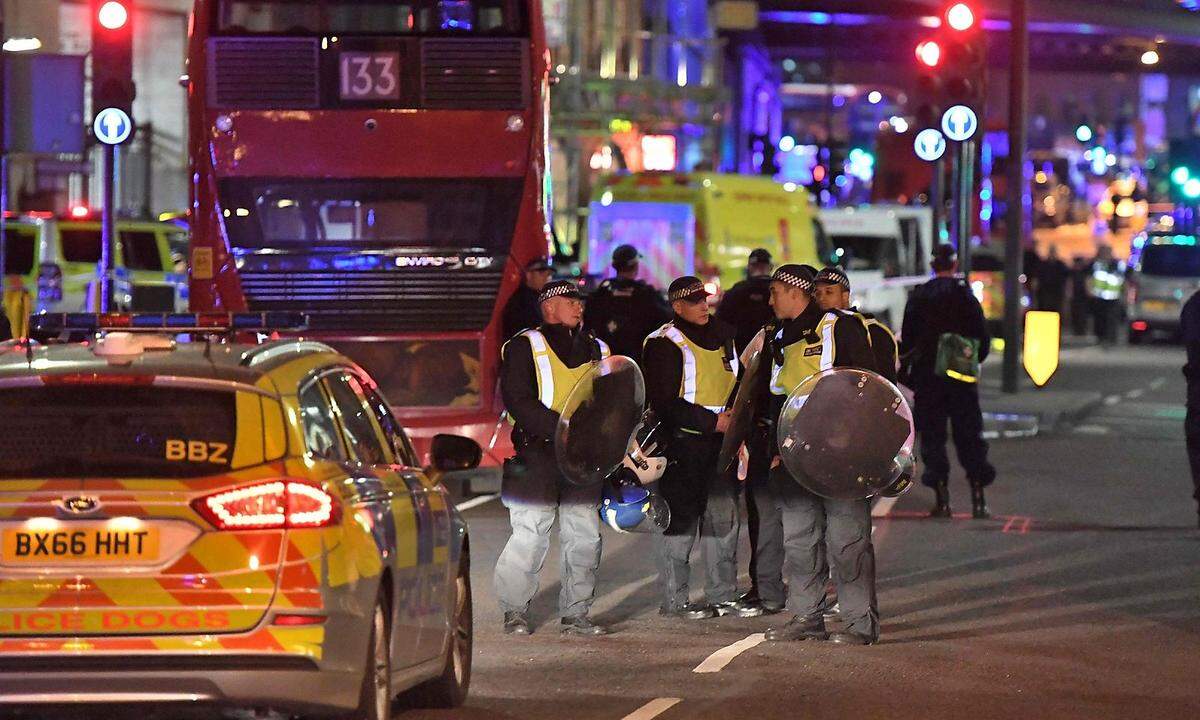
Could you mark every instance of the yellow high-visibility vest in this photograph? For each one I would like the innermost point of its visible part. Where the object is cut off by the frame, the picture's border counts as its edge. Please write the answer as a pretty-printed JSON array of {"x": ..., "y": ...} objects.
[
  {"x": 555, "y": 380},
  {"x": 810, "y": 355},
  {"x": 707, "y": 379}
]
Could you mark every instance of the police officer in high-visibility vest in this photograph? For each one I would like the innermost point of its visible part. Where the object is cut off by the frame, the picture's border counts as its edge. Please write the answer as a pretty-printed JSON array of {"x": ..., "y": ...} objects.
[
  {"x": 691, "y": 369},
  {"x": 539, "y": 369},
  {"x": 808, "y": 341},
  {"x": 831, "y": 290}
]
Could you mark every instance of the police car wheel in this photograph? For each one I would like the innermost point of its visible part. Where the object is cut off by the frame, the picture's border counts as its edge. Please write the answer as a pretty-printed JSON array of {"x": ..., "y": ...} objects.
[
  {"x": 375, "y": 698},
  {"x": 449, "y": 689}
]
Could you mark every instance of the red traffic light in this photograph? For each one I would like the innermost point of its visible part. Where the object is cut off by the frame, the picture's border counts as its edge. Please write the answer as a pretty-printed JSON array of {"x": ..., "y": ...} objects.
[
  {"x": 929, "y": 53},
  {"x": 960, "y": 17},
  {"x": 113, "y": 15}
]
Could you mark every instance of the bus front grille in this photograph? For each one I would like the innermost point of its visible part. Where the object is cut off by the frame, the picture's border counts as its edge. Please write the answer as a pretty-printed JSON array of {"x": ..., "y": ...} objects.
[{"x": 411, "y": 301}]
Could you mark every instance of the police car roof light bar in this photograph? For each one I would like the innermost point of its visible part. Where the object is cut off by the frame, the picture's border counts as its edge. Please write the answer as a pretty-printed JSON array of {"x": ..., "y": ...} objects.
[{"x": 170, "y": 322}]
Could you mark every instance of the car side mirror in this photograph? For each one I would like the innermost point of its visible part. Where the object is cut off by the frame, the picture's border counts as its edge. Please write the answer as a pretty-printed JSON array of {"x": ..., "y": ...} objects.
[{"x": 448, "y": 453}]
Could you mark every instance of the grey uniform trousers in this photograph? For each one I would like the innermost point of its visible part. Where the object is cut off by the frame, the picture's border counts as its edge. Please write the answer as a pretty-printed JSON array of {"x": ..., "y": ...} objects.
[
  {"x": 842, "y": 528},
  {"x": 531, "y": 515},
  {"x": 704, "y": 502},
  {"x": 766, "y": 526}
]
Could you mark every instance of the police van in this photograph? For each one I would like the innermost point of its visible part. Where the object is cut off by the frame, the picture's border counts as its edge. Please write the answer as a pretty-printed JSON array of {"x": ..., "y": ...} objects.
[
  {"x": 885, "y": 250},
  {"x": 56, "y": 258}
]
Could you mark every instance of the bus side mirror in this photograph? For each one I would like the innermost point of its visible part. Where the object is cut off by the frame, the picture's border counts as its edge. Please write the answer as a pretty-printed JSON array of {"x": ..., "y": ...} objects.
[{"x": 448, "y": 453}]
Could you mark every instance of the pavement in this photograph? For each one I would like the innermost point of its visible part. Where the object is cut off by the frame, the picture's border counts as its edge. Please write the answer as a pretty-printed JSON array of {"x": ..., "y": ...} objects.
[{"x": 1079, "y": 598}]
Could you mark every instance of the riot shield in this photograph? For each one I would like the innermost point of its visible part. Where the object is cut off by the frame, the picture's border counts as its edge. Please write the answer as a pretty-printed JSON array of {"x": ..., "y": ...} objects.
[
  {"x": 600, "y": 416},
  {"x": 743, "y": 408},
  {"x": 846, "y": 434}
]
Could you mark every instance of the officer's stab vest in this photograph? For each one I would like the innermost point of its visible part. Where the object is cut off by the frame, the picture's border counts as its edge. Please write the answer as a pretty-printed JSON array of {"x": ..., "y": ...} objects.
[
  {"x": 708, "y": 375},
  {"x": 814, "y": 351},
  {"x": 554, "y": 379}
]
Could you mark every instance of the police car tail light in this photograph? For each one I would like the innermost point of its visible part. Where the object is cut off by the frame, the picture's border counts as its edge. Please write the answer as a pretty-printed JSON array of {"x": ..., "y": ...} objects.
[{"x": 277, "y": 505}]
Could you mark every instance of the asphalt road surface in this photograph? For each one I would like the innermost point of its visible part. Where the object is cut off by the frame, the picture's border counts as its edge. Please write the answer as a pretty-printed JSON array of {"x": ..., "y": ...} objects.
[{"x": 1080, "y": 598}]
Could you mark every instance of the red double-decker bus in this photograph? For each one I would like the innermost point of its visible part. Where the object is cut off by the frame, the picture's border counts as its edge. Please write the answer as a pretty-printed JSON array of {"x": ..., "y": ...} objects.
[{"x": 379, "y": 164}]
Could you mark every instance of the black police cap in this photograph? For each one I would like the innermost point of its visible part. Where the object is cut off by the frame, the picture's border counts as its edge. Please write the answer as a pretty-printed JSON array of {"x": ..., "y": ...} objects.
[
  {"x": 833, "y": 276},
  {"x": 538, "y": 263},
  {"x": 760, "y": 256},
  {"x": 559, "y": 288},
  {"x": 687, "y": 288},
  {"x": 624, "y": 256},
  {"x": 798, "y": 276}
]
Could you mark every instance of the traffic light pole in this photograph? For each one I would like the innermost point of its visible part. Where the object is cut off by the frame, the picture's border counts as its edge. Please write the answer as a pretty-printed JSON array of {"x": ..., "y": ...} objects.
[
  {"x": 1015, "y": 220},
  {"x": 107, "y": 228},
  {"x": 966, "y": 192},
  {"x": 937, "y": 199}
]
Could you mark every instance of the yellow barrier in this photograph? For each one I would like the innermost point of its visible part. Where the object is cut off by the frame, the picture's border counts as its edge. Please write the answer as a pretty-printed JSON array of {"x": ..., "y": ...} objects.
[{"x": 1042, "y": 335}]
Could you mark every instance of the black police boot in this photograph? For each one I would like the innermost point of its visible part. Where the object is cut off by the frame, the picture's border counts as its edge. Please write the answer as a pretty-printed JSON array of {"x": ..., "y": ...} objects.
[
  {"x": 941, "y": 507},
  {"x": 739, "y": 608},
  {"x": 979, "y": 508},
  {"x": 798, "y": 628},
  {"x": 516, "y": 623},
  {"x": 690, "y": 611},
  {"x": 580, "y": 625},
  {"x": 850, "y": 638}
]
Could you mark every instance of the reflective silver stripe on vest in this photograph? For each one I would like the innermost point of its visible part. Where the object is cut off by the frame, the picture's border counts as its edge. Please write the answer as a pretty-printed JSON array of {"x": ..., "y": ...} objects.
[{"x": 541, "y": 362}]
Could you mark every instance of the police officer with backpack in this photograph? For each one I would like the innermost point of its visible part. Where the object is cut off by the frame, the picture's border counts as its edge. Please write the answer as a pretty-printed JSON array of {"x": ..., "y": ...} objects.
[
  {"x": 831, "y": 290},
  {"x": 624, "y": 310},
  {"x": 942, "y": 342}
]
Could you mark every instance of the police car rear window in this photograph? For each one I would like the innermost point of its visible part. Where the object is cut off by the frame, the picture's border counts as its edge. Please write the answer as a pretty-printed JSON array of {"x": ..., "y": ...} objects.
[{"x": 87, "y": 431}]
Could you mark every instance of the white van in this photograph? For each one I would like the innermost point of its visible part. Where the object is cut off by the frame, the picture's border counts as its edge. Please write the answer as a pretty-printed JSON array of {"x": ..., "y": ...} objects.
[{"x": 885, "y": 250}]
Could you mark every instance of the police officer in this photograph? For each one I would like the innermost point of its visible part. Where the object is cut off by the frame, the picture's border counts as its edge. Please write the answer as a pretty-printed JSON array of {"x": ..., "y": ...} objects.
[
  {"x": 1189, "y": 322},
  {"x": 522, "y": 312},
  {"x": 691, "y": 369},
  {"x": 831, "y": 290},
  {"x": 747, "y": 305},
  {"x": 946, "y": 305},
  {"x": 539, "y": 369},
  {"x": 810, "y": 340},
  {"x": 1106, "y": 285},
  {"x": 624, "y": 310}
]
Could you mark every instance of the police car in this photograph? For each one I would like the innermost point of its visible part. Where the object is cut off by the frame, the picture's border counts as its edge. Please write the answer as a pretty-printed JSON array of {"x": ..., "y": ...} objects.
[{"x": 219, "y": 522}]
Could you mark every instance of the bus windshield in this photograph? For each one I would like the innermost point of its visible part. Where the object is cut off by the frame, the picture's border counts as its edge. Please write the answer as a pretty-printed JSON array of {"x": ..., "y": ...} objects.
[
  {"x": 364, "y": 214},
  {"x": 371, "y": 17}
]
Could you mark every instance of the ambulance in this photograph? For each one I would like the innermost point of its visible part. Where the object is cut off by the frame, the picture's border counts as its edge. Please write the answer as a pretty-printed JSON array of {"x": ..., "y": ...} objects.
[{"x": 702, "y": 224}]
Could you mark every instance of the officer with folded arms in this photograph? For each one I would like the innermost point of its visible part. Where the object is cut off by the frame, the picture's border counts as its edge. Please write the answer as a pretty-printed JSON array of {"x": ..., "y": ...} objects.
[
  {"x": 539, "y": 369},
  {"x": 691, "y": 369},
  {"x": 810, "y": 340}
]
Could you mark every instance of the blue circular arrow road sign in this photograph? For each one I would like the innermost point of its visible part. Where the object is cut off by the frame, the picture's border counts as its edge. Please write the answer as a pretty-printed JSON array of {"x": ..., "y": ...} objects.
[
  {"x": 930, "y": 144},
  {"x": 112, "y": 126},
  {"x": 959, "y": 123}
]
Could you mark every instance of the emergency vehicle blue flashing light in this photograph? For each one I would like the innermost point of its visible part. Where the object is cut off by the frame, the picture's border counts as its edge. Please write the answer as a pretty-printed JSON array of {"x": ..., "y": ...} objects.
[{"x": 177, "y": 322}]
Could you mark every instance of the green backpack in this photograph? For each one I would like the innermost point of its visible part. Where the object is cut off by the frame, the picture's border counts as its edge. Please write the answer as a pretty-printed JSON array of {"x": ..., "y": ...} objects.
[{"x": 957, "y": 358}]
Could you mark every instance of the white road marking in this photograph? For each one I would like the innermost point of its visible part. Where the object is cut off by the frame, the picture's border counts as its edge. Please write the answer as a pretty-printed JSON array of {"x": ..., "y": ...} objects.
[
  {"x": 884, "y": 506},
  {"x": 1112, "y": 399},
  {"x": 475, "y": 502},
  {"x": 1157, "y": 383},
  {"x": 1092, "y": 430},
  {"x": 1135, "y": 394},
  {"x": 654, "y": 708},
  {"x": 718, "y": 660}
]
